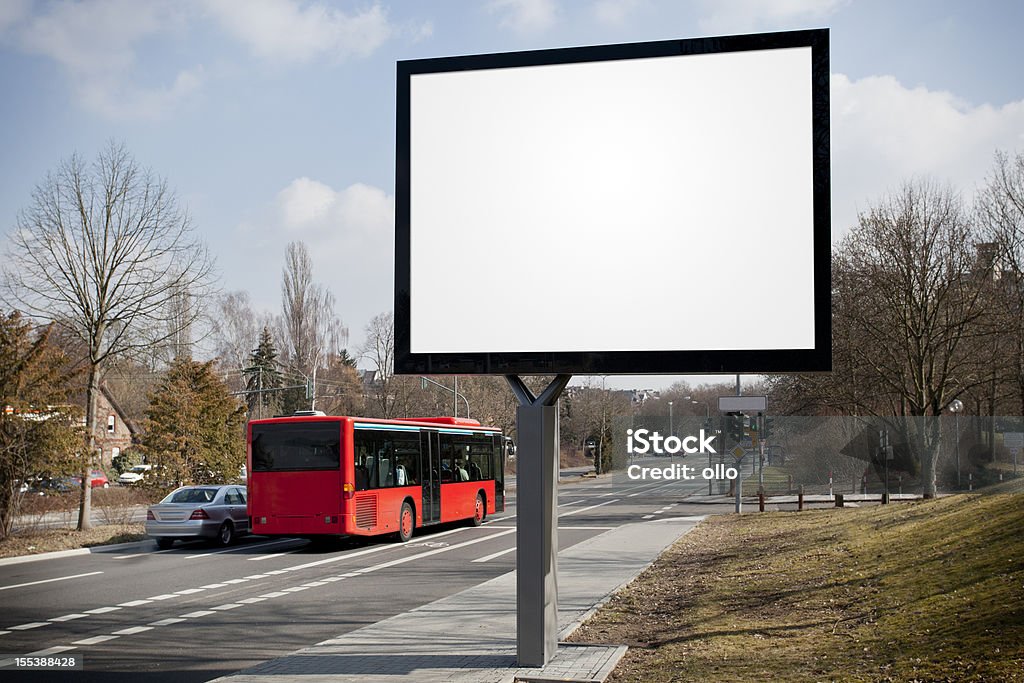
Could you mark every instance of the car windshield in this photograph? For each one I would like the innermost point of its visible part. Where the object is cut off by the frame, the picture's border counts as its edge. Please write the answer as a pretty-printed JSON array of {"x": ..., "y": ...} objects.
[
  {"x": 139, "y": 468},
  {"x": 191, "y": 496}
]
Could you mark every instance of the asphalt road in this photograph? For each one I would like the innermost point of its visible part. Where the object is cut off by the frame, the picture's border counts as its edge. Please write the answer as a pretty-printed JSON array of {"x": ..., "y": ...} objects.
[{"x": 195, "y": 612}]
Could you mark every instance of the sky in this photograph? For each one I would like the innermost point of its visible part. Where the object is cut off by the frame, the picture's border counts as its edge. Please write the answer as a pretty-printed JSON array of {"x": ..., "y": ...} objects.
[{"x": 274, "y": 119}]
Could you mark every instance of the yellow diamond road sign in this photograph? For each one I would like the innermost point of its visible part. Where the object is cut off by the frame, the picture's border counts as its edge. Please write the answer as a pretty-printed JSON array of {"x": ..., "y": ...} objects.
[{"x": 738, "y": 452}]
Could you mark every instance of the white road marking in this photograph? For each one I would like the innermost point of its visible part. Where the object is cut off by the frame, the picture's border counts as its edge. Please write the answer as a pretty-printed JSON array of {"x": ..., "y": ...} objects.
[
  {"x": 214, "y": 585},
  {"x": 332, "y": 579},
  {"x": 248, "y": 546},
  {"x": 69, "y": 617},
  {"x": 648, "y": 516},
  {"x": 102, "y": 610},
  {"x": 25, "y": 627},
  {"x": 125, "y": 557},
  {"x": 236, "y": 580},
  {"x": 590, "y": 507},
  {"x": 314, "y": 584},
  {"x": 275, "y": 594},
  {"x": 51, "y": 651},
  {"x": 260, "y": 558},
  {"x": 411, "y": 558},
  {"x": 165, "y": 596},
  {"x": 223, "y": 608},
  {"x": 133, "y": 630},
  {"x": 59, "y": 578},
  {"x": 198, "y": 613},
  {"x": 368, "y": 551},
  {"x": 95, "y": 640},
  {"x": 257, "y": 576},
  {"x": 133, "y": 603},
  {"x": 166, "y": 622},
  {"x": 250, "y": 601},
  {"x": 189, "y": 591},
  {"x": 488, "y": 558},
  {"x": 295, "y": 589}
]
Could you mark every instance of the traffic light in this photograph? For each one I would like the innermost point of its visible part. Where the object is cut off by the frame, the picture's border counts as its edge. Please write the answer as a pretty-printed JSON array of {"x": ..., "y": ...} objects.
[
  {"x": 768, "y": 424},
  {"x": 734, "y": 426}
]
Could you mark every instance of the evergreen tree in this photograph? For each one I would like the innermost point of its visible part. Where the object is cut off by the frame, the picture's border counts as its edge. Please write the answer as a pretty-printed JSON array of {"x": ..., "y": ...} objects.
[
  {"x": 37, "y": 430},
  {"x": 194, "y": 427},
  {"x": 263, "y": 374}
]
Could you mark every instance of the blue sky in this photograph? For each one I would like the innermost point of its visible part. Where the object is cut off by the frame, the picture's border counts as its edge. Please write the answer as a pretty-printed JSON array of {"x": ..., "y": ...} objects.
[{"x": 274, "y": 120}]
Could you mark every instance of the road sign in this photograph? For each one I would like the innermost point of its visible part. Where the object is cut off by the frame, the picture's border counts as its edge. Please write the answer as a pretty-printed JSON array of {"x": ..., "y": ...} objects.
[
  {"x": 742, "y": 404},
  {"x": 738, "y": 452},
  {"x": 1013, "y": 440}
]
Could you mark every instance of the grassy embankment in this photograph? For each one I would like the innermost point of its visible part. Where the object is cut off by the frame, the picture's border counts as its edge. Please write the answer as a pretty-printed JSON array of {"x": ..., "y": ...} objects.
[{"x": 924, "y": 591}]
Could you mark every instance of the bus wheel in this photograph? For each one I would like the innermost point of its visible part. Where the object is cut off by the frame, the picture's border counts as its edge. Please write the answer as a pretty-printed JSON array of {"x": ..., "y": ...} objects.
[
  {"x": 480, "y": 510},
  {"x": 406, "y": 523}
]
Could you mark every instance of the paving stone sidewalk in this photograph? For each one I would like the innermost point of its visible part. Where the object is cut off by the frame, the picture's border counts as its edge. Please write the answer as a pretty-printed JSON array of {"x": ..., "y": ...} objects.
[{"x": 469, "y": 637}]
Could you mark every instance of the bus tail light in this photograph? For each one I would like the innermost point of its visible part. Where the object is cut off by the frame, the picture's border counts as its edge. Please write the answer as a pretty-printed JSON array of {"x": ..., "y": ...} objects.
[
  {"x": 349, "y": 490},
  {"x": 200, "y": 514}
]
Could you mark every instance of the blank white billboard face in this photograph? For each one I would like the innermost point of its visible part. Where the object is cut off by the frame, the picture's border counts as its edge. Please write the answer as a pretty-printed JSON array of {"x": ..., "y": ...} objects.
[{"x": 629, "y": 205}]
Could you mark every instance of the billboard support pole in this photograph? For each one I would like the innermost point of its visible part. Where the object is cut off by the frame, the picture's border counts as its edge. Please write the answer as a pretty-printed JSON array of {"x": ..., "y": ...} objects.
[{"x": 536, "y": 521}]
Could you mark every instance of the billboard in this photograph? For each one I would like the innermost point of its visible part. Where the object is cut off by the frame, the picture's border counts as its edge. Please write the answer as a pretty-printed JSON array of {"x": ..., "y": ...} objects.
[{"x": 642, "y": 208}]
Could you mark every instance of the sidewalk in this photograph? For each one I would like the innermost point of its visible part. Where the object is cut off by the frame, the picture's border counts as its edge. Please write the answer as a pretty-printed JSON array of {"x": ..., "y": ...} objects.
[{"x": 470, "y": 636}]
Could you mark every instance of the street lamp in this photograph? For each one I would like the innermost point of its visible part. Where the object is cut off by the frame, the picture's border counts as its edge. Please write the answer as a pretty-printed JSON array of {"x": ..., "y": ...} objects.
[
  {"x": 707, "y": 408},
  {"x": 670, "y": 418},
  {"x": 955, "y": 406}
]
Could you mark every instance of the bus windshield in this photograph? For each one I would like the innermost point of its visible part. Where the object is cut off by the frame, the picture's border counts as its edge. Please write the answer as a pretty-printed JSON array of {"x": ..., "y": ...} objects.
[{"x": 296, "y": 446}]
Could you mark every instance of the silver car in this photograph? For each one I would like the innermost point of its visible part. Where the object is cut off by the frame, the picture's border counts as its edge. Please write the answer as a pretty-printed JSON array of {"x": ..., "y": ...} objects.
[{"x": 212, "y": 512}]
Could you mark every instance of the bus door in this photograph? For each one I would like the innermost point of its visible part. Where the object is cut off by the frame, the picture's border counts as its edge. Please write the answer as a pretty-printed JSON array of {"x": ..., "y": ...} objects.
[
  {"x": 430, "y": 468},
  {"x": 498, "y": 451}
]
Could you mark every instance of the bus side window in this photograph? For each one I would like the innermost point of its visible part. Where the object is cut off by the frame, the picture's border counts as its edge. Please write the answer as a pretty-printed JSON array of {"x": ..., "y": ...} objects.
[{"x": 361, "y": 478}]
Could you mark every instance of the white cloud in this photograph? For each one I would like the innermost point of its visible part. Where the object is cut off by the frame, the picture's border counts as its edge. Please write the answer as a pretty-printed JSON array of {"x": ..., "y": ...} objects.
[
  {"x": 12, "y": 12},
  {"x": 350, "y": 234},
  {"x": 96, "y": 43},
  {"x": 614, "y": 12},
  {"x": 525, "y": 16},
  {"x": 884, "y": 133},
  {"x": 295, "y": 32},
  {"x": 736, "y": 16}
]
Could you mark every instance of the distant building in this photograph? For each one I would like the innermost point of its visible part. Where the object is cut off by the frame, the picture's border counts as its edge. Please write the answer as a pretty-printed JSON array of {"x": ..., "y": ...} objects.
[{"x": 114, "y": 433}]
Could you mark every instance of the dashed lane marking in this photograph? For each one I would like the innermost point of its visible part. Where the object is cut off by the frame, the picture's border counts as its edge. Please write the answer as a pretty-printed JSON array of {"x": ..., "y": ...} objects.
[
  {"x": 95, "y": 640},
  {"x": 488, "y": 558},
  {"x": 59, "y": 578}
]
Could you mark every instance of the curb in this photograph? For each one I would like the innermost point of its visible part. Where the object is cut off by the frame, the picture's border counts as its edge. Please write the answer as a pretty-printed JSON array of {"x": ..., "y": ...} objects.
[{"x": 57, "y": 554}]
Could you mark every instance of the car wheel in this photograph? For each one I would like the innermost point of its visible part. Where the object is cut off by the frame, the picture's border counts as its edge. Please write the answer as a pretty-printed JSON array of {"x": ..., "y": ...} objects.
[
  {"x": 226, "y": 533},
  {"x": 479, "y": 510},
  {"x": 106, "y": 484},
  {"x": 164, "y": 543},
  {"x": 406, "y": 523}
]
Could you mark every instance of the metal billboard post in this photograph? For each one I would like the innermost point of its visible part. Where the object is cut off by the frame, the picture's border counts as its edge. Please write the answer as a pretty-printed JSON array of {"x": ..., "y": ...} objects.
[{"x": 536, "y": 521}]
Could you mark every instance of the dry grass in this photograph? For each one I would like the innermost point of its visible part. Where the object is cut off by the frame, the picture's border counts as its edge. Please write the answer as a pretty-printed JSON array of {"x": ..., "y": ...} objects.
[
  {"x": 50, "y": 540},
  {"x": 930, "y": 591}
]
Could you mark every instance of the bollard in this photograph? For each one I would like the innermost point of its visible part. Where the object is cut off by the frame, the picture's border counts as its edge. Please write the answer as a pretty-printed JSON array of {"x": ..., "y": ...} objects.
[
  {"x": 800, "y": 499},
  {"x": 760, "y": 501},
  {"x": 970, "y": 481},
  {"x": 830, "y": 483},
  {"x": 885, "y": 498},
  {"x": 839, "y": 500},
  {"x": 901, "y": 484},
  {"x": 789, "y": 486}
]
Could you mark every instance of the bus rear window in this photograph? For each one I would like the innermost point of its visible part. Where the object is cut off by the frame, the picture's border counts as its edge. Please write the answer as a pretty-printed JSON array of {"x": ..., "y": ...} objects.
[{"x": 296, "y": 446}]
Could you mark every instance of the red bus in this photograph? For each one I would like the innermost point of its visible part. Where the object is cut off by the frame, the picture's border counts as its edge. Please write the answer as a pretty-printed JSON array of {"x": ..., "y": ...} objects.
[{"x": 317, "y": 475}]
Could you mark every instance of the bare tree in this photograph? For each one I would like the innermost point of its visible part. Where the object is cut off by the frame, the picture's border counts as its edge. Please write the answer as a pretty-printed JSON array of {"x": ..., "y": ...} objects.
[
  {"x": 379, "y": 349},
  {"x": 1001, "y": 213},
  {"x": 236, "y": 333},
  {"x": 908, "y": 315},
  {"x": 311, "y": 330},
  {"x": 105, "y": 250}
]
